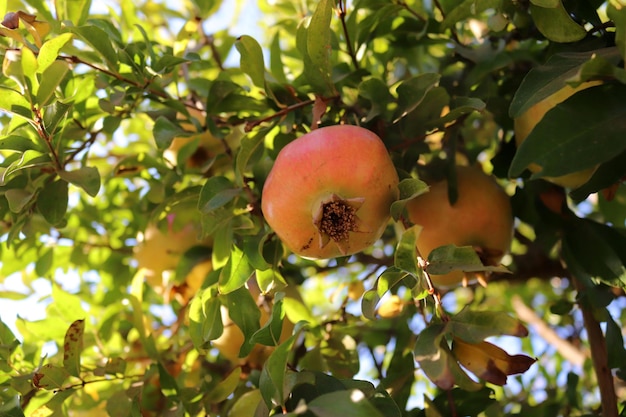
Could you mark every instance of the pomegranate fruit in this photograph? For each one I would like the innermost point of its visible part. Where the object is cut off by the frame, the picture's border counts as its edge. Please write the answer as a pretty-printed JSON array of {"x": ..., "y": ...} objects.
[
  {"x": 481, "y": 217},
  {"x": 329, "y": 192}
]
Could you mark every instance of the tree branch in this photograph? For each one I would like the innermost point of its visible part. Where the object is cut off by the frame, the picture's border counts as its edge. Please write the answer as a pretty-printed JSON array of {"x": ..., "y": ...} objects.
[
  {"x": 599, "y": 356},
  {"x": 565, "y": 348}
]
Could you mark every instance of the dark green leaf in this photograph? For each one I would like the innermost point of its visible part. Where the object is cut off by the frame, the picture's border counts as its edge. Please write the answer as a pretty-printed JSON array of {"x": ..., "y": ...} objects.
[
  {"x": 412, "y": 91},
  {"x": 245, "y": 313},
  {"x": 216, "y": 192},
  {"x": 54, "y": 114},
  {"x": 273, "y": 374},
  {"x": 475, "y": 326},
  {"x": 545, "y": 80},
  {"x": 445, "y": 259},
  {"x": 352, "y": 403},
  {"x": 556, "y": 24},
  {"x": 165, "y": 131},
  {"x": 582, "y": 131},
  {"x": 87, "y": 178},
  {"x": 100, "y": 41},
  {"x": 52, "y": 201},
  {"x": 409, "y": 189}
]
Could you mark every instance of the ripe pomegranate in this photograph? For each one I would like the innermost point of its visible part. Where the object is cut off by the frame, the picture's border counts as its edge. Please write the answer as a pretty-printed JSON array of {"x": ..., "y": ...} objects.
[
  {"x": 329, "y": 192},
  {"x": 481, "y": 217}
]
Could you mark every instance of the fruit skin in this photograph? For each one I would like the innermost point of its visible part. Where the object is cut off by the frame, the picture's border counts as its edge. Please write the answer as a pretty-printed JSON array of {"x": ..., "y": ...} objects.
[
  {"x": 527, "y": 121},
  {"x": 481, "y": 217},
  {"x": 342, "y": 166},
  {"x": 160, "y": 248}
]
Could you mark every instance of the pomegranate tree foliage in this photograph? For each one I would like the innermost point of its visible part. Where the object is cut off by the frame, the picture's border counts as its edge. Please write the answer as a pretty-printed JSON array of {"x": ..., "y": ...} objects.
[{"x": 91, "y": 105}]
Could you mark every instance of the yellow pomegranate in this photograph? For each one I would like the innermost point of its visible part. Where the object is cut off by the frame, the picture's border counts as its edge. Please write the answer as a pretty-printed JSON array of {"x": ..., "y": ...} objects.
[{"x": 481, "y": 217}]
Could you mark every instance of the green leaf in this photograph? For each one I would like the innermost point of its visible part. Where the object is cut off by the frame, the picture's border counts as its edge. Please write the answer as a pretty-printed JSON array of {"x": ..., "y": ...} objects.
[
  {"x": 20, "y": 143},
  {"x": 216, "y": 192},
  {"x": 15, "y": 103},
  {"x": 273, "y": 374},
  {"x": 244, "y": 312},
  {"x": 169, "y": 386},
  {"x": 29, "y": 69},
  {"x": 72, "y": 347},
  {"x": 475, "y": 326},
  {"x": 236, "y": 272},
  {"x": 445, "y": 259},
  {"x": 100, "y": 41},
  {"x": 50, "y": 51},
  {"x": 596, "y": 248},
  {"x": 352, "y": 403},
  {"x": 468, "y": 9},
  {"x": 50, "y": 377},
  {"x": 247, "y": 404},
  {"x": 8, "y": 344},
  {"x": 277, "y": 66},
  {"x": 579, "y": 133},
  {"x": 205, "y": 319},
  {"x": 369, "y": 301},
  {"x": 556, "y": 24},
  {"x": 54, "y": 114},
  {"x": 405, "y": 257},
  {"x": 434, "y": 356},
  {"x": 545, "y": 80},
  {"x": 225, "y": 387},
  {"x": 52, "y": 201},
  {"x": 411, "y": 92},
  {"x": 377, "y": 92},
  {"x": 250, "y": 149},
  {"x": 50, "y": 80},
  {"x": 269, "y": 333},
  {"x": 546, "y": 3},
  {"x": 207, "y": 7},
  {"x": 251, "y": 61},
  {"x": 76, "y": 11},
  {"x": 318, "y": 44},
  {"x": 44, "y": 262},
  {"x": 18, "y": 199},
  {"x": 87, "y": 178},
  {"x": 409, "y": 189},
  {"x": 616, "y": 11},
  {"x": 616, "y": 352},
  {"x": 164, "y": 131}
]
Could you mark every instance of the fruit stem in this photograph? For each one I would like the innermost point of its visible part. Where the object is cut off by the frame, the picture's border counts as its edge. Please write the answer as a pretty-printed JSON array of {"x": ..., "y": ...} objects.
[{"x": 432, "y": 290}]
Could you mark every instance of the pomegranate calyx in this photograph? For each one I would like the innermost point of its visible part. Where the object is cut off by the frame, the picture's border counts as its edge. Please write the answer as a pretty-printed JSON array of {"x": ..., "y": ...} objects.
[{"x": 335, "y": 218}]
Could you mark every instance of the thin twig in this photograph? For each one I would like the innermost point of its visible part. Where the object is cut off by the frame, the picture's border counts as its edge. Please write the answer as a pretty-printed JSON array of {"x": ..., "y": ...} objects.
[
  {"x": 599, "y": 356},
  {"x": 342, "y": 16},
  {"x": 570, "y": 352},
  {"x": 253, "y": 123}
]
